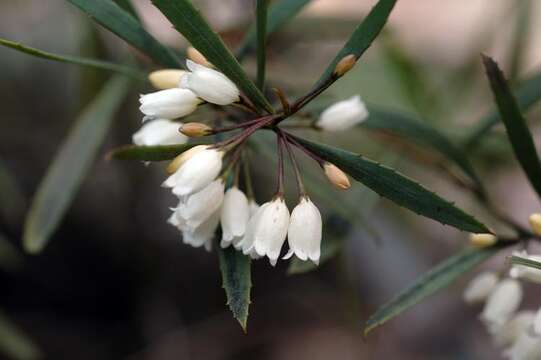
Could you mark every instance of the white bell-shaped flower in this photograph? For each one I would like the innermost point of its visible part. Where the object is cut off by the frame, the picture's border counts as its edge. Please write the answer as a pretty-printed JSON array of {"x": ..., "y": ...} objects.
[
  {"x": 204, "y": 233},
  {"x": 197, "y": 208},
  {"x": 267, "y": 230},
  {"x": 526, "y": 272},
  {"x": 209, "y": 84},
  {"x": 234, "y": 217},
  {"x": 304, "y": 234},
  {"x": 510, "y": 332},
  {"x": 253, "y": 207},
  {"x": 343, "y": 115},
  {"x": 196, "y": 172},
  {"x": 502, "y": 303},
  {"x": 159, "y": 132},
  {"x": 169, "y": 104},
  {"x": 526, "y": 347},
  {"x": 480, "y": 287}
]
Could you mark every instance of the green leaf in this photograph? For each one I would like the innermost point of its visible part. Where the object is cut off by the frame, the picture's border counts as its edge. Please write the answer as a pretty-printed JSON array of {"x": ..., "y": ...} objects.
[
  {"x": 189, "y": 22},
  {"x": 128, "y": 6},
  {"x": 71, "y": 164},
  {"x": 396, "y": 187},
  {"x": 119, "y": 21},
  {"x": 104, "y": 65},
  {"x": 149, "y": 153},
  {"x": 517, "y": 260},
  {"x": 515, "y": 124},
  {"x": 261, "y": 14},
  {"x": 363, "y": 36},
  {"x": 14, "y": 343},
  {"x": 428, "y": 284},
  {"x": 420, "y": 133},
  {"x": 279, "y": 14},
  {"x": 237, "y": 282},
  {"x": 528, "y": 94}
]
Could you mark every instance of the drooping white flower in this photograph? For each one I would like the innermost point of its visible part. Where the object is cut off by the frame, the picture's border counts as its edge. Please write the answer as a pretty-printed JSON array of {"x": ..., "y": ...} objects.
[
  {"x": 502, "y": 303},
  {"x": 197, "y": 208},
  {"x": 304, "y": 234},
  {"x": 169, "y": 104},
  {"x": 159, "y": 132},
  {"x": 343, "y": 115},
  {"x": 526, "y": 272},
  {"x": 203, "y": 234},
  {"x": 234, "y": 217},
  {"x": 510, "y": 332},
  {"x": 267, "y": 230},
  {"x": 526, "y": 347},
  {"x": 196, "y": 172},
  {"x": 253, "y": 207},
  {"x": 209, "y": 84},
  {"x": 480, "y": 287}
]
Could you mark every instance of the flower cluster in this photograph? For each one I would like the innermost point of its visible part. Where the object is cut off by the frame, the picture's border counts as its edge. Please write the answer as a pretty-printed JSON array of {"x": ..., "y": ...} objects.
[
  {"x": 517, "y": 331},
  {"x": 206, "y": 178}
]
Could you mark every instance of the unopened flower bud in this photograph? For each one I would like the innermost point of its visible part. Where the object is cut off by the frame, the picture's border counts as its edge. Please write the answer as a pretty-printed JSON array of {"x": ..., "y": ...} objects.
[
  {"x": 345, "y": 64},
  {"x": 196, "y": 56},
  {"x": 535, "y": 223},
  {"x": 343, "y": 115},
  {"x": 482, "y": 240},
  {"x": 480, "y": 287},
  {"x": 165, "y": 79},
  {"x": 195, "y": 129},
  {"x": 182, "y": 158},
  {"x": 336, "y": 176}
]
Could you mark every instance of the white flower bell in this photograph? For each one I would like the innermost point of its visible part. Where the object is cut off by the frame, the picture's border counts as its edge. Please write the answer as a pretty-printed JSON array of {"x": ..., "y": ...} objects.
[
  {"x": 343, "y": 115},
  {"x": 169, "y": 104},
  {"x": 526, "y": 347},
  {"x": 304, "y": 234},
  {"x": 209, "y": 84},
  {"x": 502, "y": 303},
  {"x": 510, "y": 332},
  {"x": 203, "y": 234},
  {"x": 480, "y": 287},
  {"x": 159, "y": 132},
  {"x": 267, "y": 230},
  {"x": 234, "y": 217},
  {"x": 196, "y": 172}
]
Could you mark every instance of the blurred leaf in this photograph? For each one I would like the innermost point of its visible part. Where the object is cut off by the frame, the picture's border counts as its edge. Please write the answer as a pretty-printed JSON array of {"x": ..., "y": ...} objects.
[
  {"x": 261, "y": 22},
  {"x": 148, "y": 153},
  {"x": 517, "y": 129},
  {"x": 14, "y": 343},
  {"x": 10, "y": 258},
  {"x": 119, "y": 21},
  {"x": 517, "y": 260},
  {"x": 279, "y": 14},
  {"x": 528, "y": 93},
  {"x": 422, "y": 134},
  {"x": 237, "y": 282},
  {"x": 189, "y": 22},
  {"x": 521, "y": 35},
  {"x": 127, "y": 5},
  {"x": 71, "y": 164},
  {"x": 362, "y": 37},
  {"x": 396, "y": 187},
  {"x": 429, "y": 283},
  {"x": 13, "y": 203},
  {"x": 126, "y": 70}
]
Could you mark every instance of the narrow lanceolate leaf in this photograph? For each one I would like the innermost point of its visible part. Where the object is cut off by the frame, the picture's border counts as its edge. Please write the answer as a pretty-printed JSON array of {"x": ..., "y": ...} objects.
[
  {"x": 279, "y": 14},
  {"x": 517, "y": 260},
  {"x": 128, "y": 6},
  {"x": 71, "y": 164},
  {"x": 111, "y": 16},
  {"x": 527, "y": 95},
  {"x": 126, "y": 70},
  {"x": 237, "y": 282},
  {"x": 148, "y": 153},
  {"x": 14, "y": 343},
  {"x": 422, "y": 134},
  {"x": 189, "y": 22},
  {"x": 261, "y": 20},
  {"x": 428, "y": 284},
  {"x": 397, "y": 188},
  {"x": 363, "y": 36},
  {"x": 515, "y": 124}
]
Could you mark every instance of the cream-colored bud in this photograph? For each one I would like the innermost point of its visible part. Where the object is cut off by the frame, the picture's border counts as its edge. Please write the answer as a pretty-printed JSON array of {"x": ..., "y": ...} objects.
[
  {"x": 482, "y": 240},
  {"x": 182, "y": 158},
  {"x": 344, "y": 65},
  {"x": 196, "y": 56},
  {"x": 535, "y": 223},
  {"x": 165, "y": 79},
  {"x": 336, "y": 176},
  {"x": 195, "y": 129}
]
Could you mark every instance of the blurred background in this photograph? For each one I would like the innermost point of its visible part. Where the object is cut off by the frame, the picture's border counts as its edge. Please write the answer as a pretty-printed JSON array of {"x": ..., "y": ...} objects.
[{"x": 115, "y": 282}]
